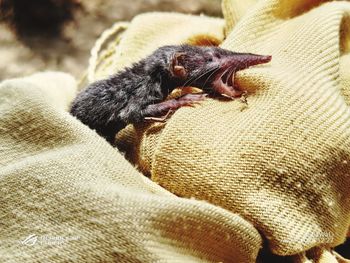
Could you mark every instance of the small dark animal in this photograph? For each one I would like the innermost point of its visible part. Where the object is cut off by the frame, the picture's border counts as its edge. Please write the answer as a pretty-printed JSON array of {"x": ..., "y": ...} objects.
[{"x": 139, "y": 91}]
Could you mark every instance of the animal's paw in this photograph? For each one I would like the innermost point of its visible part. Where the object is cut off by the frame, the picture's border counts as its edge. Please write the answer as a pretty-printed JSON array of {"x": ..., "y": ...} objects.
[{"x": 190, "y": 99}]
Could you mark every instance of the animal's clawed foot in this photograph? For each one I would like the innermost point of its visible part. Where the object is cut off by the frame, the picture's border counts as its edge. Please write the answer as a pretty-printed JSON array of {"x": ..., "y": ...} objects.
[
  {"x": 190, "y": 99},
  {"x": 166, "y": 108},
  {"x": 160, "y": 119}
]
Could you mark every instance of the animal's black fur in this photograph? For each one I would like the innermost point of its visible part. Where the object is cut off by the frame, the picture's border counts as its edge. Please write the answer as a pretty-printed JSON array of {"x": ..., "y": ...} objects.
[{"x": 109, "y": 105}]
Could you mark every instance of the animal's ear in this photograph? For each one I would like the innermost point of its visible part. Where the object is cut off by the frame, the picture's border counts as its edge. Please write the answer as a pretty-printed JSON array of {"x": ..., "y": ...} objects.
[{"x": 176, "y": 66}]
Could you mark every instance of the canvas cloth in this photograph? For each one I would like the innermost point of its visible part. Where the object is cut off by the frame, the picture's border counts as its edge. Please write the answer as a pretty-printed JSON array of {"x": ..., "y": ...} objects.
[{"x": 233, "y": 177}]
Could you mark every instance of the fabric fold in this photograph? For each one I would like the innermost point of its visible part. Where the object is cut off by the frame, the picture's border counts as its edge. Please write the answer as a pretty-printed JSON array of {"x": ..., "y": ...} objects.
[
  {"x": 282, "y": 161},
  {"x": 67, "y": 195}
]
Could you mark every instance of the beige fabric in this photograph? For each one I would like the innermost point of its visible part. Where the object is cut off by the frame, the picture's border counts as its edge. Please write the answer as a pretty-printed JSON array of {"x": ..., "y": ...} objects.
[
  {"x": 282, "y": 162},
  {"x": 67, "y": 196},
  {"x": 234, "y": 10}
]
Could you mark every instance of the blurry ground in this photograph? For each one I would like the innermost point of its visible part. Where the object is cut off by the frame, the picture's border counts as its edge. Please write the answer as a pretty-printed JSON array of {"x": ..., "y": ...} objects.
[{"x": 70, "y": 52}]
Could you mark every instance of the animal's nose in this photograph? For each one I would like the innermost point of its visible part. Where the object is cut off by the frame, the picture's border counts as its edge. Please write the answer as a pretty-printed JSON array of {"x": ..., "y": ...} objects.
[{"x": 245, "y": 60}]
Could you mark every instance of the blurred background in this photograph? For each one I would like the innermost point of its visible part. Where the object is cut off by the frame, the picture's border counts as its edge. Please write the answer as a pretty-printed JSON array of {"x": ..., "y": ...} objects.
[{"x": 58, "y": 34}]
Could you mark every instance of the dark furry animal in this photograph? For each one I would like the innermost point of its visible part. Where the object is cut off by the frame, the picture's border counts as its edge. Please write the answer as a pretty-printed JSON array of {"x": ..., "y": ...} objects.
[{"x": 138, "y": 91}]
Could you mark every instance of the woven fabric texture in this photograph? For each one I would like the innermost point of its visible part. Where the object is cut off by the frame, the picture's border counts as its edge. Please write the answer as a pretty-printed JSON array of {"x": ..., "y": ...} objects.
[
  {"x": 229, "y": 178},
  {"x": 283, "y": 160},
  {"x": 67, "y": 196}
]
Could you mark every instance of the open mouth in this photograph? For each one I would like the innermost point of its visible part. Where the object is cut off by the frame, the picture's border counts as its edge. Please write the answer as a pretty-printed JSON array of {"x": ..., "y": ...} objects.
[
  {"x": 228, "y": 78},
  {"x": 224, "y": 82}
]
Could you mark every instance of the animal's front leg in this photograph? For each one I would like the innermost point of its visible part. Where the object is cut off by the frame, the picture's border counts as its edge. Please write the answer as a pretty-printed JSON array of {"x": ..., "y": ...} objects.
[{"x": 160, "y": 111}]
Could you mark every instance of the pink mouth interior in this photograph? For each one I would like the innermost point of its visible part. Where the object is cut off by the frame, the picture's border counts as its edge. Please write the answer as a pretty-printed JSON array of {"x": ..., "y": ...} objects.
[
  {"x": 224, "y": 83},
  {"x": 228, "y": 77}
]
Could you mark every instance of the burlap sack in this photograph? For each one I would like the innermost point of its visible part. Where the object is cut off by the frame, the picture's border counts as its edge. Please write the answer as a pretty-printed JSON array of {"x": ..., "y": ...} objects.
[
  {"x": 67, "y": 196},
  {"x": 283, "y": 160}
]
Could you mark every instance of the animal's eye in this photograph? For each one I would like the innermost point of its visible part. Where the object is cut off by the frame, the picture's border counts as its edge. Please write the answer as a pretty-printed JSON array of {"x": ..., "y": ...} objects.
[{"x": 210, "y": 59}]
